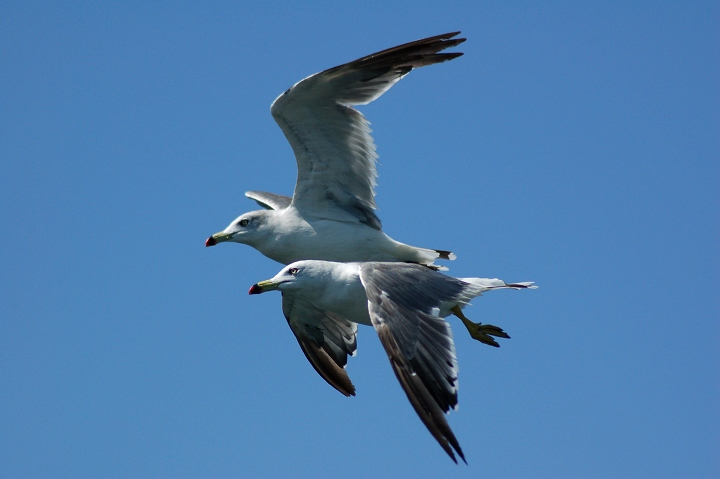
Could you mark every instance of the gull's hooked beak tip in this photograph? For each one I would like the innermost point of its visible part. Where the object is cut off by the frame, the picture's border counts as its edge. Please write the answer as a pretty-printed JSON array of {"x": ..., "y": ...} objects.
[
  {"x": 218, "y": 238},
  {"x": 263, "y": 286}
]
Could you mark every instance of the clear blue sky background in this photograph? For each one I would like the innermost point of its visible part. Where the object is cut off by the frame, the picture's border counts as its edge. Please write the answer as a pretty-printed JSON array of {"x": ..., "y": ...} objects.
[{"x": 576, "y": 144}]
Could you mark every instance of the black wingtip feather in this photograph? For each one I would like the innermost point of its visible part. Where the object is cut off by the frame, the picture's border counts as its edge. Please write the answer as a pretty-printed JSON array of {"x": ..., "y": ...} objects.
[{"x": 444, "y": 254}]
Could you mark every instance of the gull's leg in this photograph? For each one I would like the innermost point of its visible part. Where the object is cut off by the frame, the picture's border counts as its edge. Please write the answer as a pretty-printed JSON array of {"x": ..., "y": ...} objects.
[{"x": 479, "y": 331}]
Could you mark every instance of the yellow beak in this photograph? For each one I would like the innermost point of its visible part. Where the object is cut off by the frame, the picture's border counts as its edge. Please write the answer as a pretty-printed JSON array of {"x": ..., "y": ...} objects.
[{"x": 263, "y": 286}]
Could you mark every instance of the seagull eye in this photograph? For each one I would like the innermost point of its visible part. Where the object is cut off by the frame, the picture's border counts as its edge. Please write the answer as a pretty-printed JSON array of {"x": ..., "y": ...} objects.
[
  {"x": 243, "y": 222},
  {"x": 293, "y": 271}
]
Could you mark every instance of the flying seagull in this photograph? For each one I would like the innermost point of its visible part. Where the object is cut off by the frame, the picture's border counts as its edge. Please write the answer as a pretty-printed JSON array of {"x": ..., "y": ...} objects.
[
  {"x": 324, "y": 302},
  {"x": 331, "y": 215}
]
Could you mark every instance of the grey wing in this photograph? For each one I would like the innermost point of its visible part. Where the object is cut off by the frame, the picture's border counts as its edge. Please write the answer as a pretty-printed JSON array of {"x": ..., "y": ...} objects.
[
  {"x": 269, "y": 201},
  {"x": 419, "y": 345},
  {"x": 331, "y": 140},
  {"x": 326, "y": 340}
]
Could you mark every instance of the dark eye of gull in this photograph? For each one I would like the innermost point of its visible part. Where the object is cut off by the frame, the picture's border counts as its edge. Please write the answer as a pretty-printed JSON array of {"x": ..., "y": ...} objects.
[
  {"x": 243, "y": 222},
  {"x": 293, "y": 271}
]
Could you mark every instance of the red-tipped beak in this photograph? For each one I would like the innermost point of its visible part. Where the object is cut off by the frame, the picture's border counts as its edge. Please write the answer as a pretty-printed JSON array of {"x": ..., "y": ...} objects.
[
  {"x": 210, "y": 242},
  {"x": 255, "y": 289}
]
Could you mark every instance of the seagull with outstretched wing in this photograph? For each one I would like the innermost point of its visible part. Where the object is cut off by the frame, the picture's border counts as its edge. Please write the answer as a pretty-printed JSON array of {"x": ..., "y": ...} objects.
[
  {"x": 331, "y": 215},
  {"x": 324, "y": 302}
]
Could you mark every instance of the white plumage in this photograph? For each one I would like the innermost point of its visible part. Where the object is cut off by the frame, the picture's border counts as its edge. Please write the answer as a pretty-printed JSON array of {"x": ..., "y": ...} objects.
[{"x": 331, "y": 215}]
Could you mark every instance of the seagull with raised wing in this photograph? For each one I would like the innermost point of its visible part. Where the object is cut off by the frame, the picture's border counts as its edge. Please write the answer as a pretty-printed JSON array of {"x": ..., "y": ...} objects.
[
  {"x": 331, "y": 215},
  {"x": 324, "y": 302}
]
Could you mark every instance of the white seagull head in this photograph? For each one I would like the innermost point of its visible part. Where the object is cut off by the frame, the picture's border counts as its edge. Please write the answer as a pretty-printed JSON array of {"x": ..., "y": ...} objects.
[
  {"x": 246, "y": 229},
  {"x": 301, "y": 277}
]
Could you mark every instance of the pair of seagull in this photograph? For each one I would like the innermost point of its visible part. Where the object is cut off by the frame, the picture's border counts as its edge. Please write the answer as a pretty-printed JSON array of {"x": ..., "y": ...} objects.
[{"x": 342, "y": 269}]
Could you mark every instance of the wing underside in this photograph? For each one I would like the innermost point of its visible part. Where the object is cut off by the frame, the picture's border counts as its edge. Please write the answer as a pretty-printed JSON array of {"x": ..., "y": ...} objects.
[
  {"x": 335, "y": 152},
  {"x": 326, "y": 340}
]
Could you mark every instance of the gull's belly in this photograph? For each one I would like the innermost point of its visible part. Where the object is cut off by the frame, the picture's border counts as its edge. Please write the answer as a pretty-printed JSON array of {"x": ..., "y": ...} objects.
[
  {"x": 343, "y": 294},
  {"x": 330, "y": 241},
  {"x": 351, "y": 304}
]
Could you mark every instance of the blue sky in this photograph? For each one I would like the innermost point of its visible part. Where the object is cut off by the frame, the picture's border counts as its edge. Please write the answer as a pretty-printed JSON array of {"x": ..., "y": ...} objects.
[{"x": 573, "y": 145}]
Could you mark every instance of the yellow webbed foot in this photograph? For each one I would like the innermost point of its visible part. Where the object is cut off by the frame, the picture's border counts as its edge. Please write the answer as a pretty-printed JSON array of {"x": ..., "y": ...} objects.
[{"x": 481, "y": 332}]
